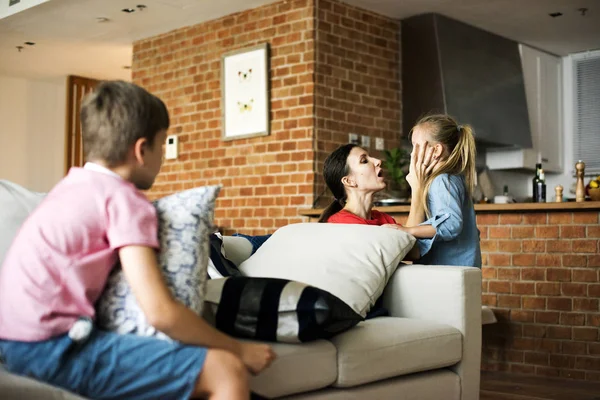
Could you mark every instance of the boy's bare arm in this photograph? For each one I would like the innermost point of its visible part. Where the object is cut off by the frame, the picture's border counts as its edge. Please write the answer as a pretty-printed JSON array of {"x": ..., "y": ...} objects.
[{"x": 176, "y": 320}]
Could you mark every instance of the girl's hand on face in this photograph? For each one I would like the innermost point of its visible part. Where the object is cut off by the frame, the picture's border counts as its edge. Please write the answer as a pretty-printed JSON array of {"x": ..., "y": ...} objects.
[{"x": 422, "y": 163}]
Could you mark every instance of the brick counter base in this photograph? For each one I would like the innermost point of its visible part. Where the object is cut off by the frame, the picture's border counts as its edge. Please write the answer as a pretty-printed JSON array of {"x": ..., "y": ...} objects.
[{"x": 540, "y": 276}]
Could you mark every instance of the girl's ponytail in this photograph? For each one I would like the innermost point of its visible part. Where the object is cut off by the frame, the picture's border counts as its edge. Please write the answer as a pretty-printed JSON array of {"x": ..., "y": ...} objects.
[{"x": 467, "y": 151}]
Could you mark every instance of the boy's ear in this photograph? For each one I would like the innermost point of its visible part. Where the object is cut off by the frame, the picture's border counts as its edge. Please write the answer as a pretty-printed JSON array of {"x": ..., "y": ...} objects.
[{"x": 139, "y": 150}]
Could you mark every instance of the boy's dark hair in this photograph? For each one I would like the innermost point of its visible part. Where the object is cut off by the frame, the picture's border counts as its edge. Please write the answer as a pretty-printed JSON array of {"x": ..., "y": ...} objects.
[{"x": 115, "y": 115}]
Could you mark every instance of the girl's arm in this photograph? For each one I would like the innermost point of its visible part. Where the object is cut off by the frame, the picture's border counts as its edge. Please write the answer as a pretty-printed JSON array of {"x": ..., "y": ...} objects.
[
  {"x": 422, "y": 163},
  {"x": 420, "y": 232}
]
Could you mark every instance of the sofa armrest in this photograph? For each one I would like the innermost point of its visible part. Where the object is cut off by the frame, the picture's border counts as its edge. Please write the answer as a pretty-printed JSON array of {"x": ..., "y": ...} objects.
[
  {"x": 237, "y": 249},
  {"x": 448, "y": 295},
  {"x": 13, "y": 387}
]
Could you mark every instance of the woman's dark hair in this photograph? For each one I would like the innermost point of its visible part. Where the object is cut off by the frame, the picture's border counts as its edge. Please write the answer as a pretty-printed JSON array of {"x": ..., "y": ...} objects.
[{"x": 334, "y": 169}]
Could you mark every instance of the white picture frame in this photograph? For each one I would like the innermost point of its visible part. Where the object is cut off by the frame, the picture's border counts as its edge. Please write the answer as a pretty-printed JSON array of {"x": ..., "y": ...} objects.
[{"x": 245, "y": 93}]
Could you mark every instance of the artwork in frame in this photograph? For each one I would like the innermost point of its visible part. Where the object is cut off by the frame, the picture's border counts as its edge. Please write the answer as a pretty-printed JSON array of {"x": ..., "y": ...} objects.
[{"x": 245, "y": 92}]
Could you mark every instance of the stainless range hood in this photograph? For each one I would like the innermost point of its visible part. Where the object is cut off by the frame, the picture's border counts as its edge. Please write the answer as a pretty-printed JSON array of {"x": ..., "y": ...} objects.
[{"x": 474, "y": 75}]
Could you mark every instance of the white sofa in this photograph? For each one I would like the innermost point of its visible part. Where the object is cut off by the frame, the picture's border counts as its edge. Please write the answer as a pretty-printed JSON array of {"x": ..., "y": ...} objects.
[{"x": 430, "y": 347}]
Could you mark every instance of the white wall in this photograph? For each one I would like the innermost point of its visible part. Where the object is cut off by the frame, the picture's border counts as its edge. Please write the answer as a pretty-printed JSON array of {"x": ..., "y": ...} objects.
[
  {"x": 520, "y": 182},
  {"x": 32, "y": 131}
]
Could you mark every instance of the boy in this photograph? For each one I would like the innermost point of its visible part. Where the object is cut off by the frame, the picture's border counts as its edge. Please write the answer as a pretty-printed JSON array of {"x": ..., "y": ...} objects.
[{"x": 59, "y": 261}]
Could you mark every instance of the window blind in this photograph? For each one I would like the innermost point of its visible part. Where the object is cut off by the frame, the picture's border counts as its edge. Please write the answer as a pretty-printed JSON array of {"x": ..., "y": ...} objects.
[{"x": 586, "y": 146}]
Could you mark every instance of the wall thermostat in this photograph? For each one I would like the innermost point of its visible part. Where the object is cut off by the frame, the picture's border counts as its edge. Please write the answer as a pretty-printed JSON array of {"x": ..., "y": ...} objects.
[{"x": 171, "y": 150}]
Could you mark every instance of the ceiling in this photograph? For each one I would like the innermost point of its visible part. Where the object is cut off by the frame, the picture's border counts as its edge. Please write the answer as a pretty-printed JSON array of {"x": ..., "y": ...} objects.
[
  {"x": 526, "y": 21},
  {"x": 70, "y": 40}
]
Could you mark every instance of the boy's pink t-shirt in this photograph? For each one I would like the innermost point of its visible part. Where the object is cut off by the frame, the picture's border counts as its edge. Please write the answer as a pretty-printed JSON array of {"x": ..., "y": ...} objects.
[{"x": 59, "y": 262}]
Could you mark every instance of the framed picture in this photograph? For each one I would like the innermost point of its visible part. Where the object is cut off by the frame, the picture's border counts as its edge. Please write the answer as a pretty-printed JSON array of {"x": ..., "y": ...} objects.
[{"x": 245, "y": 92}]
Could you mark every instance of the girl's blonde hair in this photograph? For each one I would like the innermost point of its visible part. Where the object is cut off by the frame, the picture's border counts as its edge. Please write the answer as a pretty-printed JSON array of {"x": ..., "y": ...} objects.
[{"x": 459, "y": 141}]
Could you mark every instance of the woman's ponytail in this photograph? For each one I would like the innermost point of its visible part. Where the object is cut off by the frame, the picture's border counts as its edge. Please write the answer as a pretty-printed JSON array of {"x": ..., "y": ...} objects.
[{"x": 331, "y": 209}]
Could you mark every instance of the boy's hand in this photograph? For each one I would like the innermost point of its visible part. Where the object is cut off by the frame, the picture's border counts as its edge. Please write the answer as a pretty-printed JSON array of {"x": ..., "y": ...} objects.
[{"x": 256, "y": 357}]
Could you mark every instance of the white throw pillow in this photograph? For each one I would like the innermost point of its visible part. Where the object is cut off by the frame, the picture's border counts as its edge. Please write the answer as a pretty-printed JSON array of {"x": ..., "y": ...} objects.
[
  {"x": 185, "y": 221},
  {"x": 352, "y": 262},
  {"x": 16, "y": 203}
]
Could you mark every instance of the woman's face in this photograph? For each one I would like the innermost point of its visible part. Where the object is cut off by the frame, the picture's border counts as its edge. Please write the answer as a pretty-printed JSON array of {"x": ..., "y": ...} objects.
[{"x": 366, "y": 173}]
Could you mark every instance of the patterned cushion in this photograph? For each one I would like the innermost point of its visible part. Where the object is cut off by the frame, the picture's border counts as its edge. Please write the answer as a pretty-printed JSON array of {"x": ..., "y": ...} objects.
[
  {"x": 185, "y": 222},
  {"x": 276, "y": 310},
  {"x": 219, "y": 266}
]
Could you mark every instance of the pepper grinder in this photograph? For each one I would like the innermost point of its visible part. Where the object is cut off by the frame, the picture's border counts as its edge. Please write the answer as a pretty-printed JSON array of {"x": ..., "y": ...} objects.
[
  {"x": 558, "y": 191},
  {"x": 580, "y": 188}
]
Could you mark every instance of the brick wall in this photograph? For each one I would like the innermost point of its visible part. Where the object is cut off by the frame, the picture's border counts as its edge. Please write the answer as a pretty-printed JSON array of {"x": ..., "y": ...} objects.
[
  {"x": 541, "y": 278},
  {"x": 334, "y": 70},
  {"x": 264, "y": 179},
  {"x": 357, "y": 80}
]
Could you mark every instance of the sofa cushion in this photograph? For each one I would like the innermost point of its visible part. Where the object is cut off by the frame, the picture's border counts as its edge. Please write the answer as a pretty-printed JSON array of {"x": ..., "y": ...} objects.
[
  {"x": 298, "y": 368},
  {"x": 256, "y": 241},
  {"x": 352, "y": 262},
  {"x": 385, "y": 347},
  {"x": 236, "y": 249},
  {"x": 219, "y": 266},
  {"x": 276, "y": 310},
  {"x": 184, "y": 225},
  {"x": 441, "y": 384},
  {"x": 16, "y": 203}
]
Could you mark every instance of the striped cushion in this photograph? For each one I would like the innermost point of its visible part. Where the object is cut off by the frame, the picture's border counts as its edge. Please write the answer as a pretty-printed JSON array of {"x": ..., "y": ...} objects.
[
  {"x": 276, "y": 310},
  {"x": 219, "y": 266}
]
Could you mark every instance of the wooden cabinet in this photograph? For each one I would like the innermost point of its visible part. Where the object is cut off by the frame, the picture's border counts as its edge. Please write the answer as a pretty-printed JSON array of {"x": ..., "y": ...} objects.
[{"x": 542, "y": 74}]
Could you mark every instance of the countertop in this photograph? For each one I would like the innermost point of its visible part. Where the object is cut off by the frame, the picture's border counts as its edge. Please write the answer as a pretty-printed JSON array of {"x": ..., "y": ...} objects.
[{"x": 483, "y": 208}]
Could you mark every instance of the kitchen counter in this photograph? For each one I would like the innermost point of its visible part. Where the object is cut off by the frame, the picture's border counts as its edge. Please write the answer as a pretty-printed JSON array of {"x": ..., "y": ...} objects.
[{"x": 483, "y": 208}]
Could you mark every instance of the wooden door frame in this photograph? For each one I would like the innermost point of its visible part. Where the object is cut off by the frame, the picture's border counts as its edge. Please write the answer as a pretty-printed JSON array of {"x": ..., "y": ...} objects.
[{"x": 77, "y": 88}]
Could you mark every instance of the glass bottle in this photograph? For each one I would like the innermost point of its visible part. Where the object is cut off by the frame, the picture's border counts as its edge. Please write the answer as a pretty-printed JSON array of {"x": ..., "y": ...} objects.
[
  {"x": 537, "y": 185},
  {"x": 541, "y": 187}
]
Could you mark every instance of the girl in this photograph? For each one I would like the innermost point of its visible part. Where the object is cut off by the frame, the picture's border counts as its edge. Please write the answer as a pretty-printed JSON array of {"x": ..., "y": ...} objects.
[{"x": 449, "y": 236}]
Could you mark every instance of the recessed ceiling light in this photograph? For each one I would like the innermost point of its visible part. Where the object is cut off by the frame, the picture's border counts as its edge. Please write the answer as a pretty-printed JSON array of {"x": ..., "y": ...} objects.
[
  {"x": 128, "y": 10},
  {"x": 30, "y": 43},
  {"x": 555, "y": 14}
]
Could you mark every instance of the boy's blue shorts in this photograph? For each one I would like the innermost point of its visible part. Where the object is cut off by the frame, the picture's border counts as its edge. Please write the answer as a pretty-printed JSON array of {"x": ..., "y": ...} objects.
[{"x": 109, "y": 365}]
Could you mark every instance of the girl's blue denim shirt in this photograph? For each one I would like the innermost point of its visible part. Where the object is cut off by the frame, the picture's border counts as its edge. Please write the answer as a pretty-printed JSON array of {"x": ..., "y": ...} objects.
[{"x": 452, "y": 215}]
